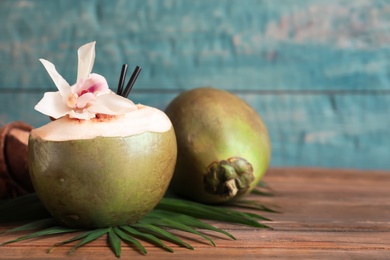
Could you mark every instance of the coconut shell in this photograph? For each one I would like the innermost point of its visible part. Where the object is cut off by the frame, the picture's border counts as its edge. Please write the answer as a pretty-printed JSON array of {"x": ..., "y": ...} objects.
[
  {"x": 223, "y": 145},
  {"x": 104, "y": 181},
  {"x": 14, "y": 175}
]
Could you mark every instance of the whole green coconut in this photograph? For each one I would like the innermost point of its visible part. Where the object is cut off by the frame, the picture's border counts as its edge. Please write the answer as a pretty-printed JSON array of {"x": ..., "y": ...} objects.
[
  {"x": 223, "y": 145},
  {"x": 107, "y": 171}
]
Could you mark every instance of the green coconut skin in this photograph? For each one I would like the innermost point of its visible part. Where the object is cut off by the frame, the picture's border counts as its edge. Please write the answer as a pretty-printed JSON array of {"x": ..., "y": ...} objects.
[
  {"x": 104, "y": 181},
  {"x": 213, "y": 125}
]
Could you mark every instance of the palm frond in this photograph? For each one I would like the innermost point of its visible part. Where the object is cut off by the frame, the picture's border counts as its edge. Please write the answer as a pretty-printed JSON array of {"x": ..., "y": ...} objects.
[
  {"x": 39, "y": 224},
  {"x": 146, "y": 237},
  {"x": 50, "y": 231},
  {"x": 161, "y": 233},
  {"x": 202, "y": 211},
  {"x": 129, "y": 239},
  {"x": 114, "y": 241},
  {"x": 251, "y": 204},
  {"x": 78, "y": 237},
  {"x": 95, "y": 234},
  {"x": 169, "y": 214}
]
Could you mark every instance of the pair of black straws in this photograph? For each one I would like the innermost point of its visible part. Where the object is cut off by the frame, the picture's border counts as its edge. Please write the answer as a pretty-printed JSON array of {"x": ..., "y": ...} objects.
[{"x": 125, "y": 92}]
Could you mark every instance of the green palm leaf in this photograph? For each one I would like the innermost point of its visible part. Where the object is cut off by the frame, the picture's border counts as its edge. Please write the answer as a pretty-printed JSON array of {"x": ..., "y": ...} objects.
[
  {"x": 27, "y": 212},
  {"x": 164, "y": 222},
  {"x": 146, "y": 237},
  {"x": 114, "y": 241},
  {"x": 78, "y": 237},
  {"x": 170, "y": 213},
  {"x": 18, "y": 201},
  {"x": 39, "y": 224},
  {"x": 263, "y": 189},
  {"x": 198, "y": 210},
  {"x": 252, "y": 205},
  {"x": 129, "y": 239},
  {"x": 45, "y": 232},
  {"x": 95, "y": 234},
  {"x": 23, "y": 208},
  {"x": 262, "y": 193},
  {"x": 189, "y": 221},
  {"x": 161, "y": 233}
]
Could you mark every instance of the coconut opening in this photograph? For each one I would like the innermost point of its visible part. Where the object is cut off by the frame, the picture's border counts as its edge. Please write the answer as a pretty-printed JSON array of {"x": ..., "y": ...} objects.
[{"x": 144, "y": 119}]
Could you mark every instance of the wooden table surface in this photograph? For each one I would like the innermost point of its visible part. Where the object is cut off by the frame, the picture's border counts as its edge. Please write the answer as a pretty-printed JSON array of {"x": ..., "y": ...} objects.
[{"x": 327, "y": 214}]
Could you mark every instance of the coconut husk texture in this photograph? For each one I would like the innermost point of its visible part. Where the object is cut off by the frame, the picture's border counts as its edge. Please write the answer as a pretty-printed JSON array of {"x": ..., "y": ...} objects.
[{"x": 14, "y": 175}]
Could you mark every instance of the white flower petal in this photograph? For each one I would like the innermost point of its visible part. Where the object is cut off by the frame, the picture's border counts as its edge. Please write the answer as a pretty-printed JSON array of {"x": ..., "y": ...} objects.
[
  {"x": 77, "y": 86},
  {"x": 95, "y": 83},
  {"x": 89, "y": 96},
  {"x": 85, "y": 99},
  {"x": 112, "y": 104},
  {"x": 62, "y": 85},
  {"x": 52, "y": 105},
  {"x": 85, "y": 115},
  {"x": 86, "y": 55}
]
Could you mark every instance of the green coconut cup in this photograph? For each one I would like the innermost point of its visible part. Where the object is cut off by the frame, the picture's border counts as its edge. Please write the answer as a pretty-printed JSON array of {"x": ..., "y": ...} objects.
[{"x": 103, "y": 181}]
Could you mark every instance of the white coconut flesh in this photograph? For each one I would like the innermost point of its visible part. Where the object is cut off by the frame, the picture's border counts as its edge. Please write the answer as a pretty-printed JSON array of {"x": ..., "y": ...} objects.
[{"x": 144, "y": 119}]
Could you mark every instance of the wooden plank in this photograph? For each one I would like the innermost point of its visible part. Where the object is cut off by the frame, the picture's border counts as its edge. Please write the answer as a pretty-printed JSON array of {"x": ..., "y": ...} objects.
[
  {"x": 248, "y": 44},
  {"x": 203, "y": 253},
  {"x": 326, "y": 130},
  {"x": 304, "y": 65},
  {"x": 325, "y": 214}
]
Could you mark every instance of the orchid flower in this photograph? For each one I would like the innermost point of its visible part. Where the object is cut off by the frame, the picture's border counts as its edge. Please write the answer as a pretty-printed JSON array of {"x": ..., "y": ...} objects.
[{"x": 90, "y": 95}]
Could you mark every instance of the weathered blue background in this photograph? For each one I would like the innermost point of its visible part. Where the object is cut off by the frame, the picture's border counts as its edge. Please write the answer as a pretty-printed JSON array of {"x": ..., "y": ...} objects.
[{"x": 316, "y": 70}]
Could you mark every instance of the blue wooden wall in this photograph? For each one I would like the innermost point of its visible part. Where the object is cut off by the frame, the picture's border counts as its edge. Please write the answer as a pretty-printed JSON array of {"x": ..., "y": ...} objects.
[{"x": 316, "y": 70}]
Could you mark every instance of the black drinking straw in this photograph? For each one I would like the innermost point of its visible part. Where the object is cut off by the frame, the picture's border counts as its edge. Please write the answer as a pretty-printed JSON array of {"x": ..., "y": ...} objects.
[
  {"x": 122, "y": 79},
  {"x": 132, "y": 80}
]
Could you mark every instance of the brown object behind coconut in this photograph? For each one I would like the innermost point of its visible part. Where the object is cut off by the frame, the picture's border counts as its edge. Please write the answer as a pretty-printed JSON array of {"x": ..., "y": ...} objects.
[{"x": 14, "y": 176}]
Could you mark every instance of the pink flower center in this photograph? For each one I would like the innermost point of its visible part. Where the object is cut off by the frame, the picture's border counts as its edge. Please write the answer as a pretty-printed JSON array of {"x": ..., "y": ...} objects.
[
  {"x": 97, "y": 86},
  {"x": 85, "y": 91}
]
